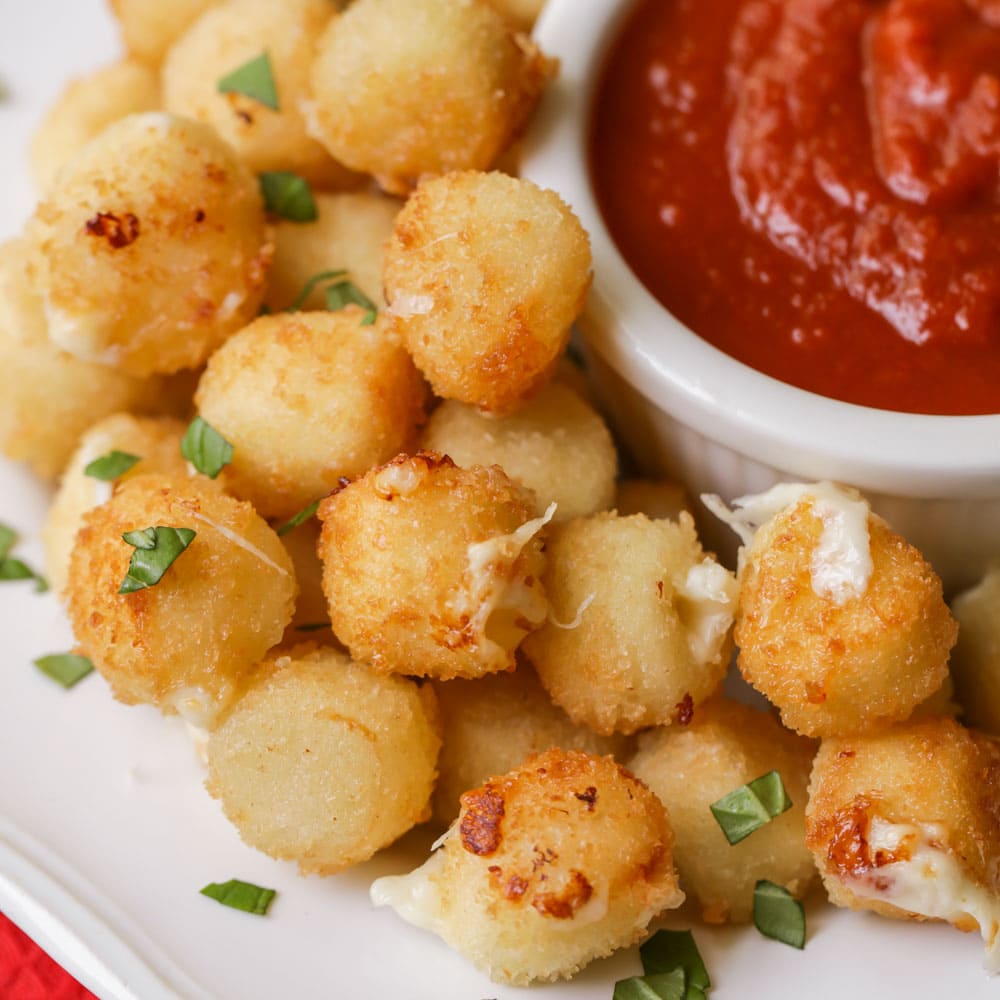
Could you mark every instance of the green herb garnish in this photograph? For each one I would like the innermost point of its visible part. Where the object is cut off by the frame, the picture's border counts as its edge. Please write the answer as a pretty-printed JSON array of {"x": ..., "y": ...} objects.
[
  {"x": 65, "y": 668},
  {"x": 346, "y": 293},
  {"x": 778, "y": 914},
  {"x": 8, "y": 536},
  {"x": 253, "y": 79},
  {"x": 661, "y": 986},
  {"x": 205, "y": 448},
  {"x": 300, "y": 518},
  {"x": 751, "y": 806},
  {"x": 240, "y": 895},
  {"x": 666, "y": 951},
  {"x": 155, "y": 551},
  {"x": 112, "y": 465},
  {"x": 288, "y": 195},
  {"x": 307, "y": 288}
]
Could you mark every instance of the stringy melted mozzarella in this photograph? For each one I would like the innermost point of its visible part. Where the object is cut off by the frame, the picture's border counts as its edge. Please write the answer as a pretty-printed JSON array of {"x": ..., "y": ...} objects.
[
  {"x": 707, "y": 604},
  {"x": 841, "y": 564},
  {"x": 930, "y": 882}
]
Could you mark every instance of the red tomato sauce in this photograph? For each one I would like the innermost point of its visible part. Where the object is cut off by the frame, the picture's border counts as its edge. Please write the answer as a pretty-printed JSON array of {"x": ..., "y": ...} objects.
[{"x": 813, "y": 186}]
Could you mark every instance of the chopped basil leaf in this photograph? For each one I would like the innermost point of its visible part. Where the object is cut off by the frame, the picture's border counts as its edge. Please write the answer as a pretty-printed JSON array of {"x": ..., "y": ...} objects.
[
  {"x": 751, "y": 806},
  {"x": 300, "y": 518},
  {"x": 155, "y": 551},
  {"x": 253, "y": 79},
  {"x": 346, "y": 293},
  {"x": 14, "y": 569},
  {"x": 112, "y": 465},
  {"x": 240, "y": 895},
  {"x": 660, "y": 986},
  {"x": 666, "y": 951},
  {"x": 205, "y": 448},
  {"x": 288, "y": 195},
  {"x": 778, "y": 914},
  {"x": 8, "y": 536},
  {"x": 307, "y": 288},
  {"x": 312, "y": 626},
  {"x": 65, "y": 668}
]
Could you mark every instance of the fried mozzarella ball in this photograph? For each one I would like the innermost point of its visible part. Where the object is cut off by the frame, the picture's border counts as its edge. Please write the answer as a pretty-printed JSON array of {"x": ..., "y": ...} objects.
[
  {"x": 403, "y": 88},
  {"x": 311, "y": 619},
  {"x": 186, "y": 643},
  {"x": 323, "y": 762},
  {"x": 153, "y": 247},
  {"x": 227, "y": 37},
  {"x": 520, "y": 13},
  {"x": 49, "y": 398},
  {"x": 639, "y": 620},
  {"x": 975, "y": 661},
  {"x": 657, "y": 499},
  {"x": 907, "y": 823},
  {"x": 85, "y": 108},
  {"x": 306, "y": 399},
  {"x": 727, "y": 745},
  {"x": 156, "y": 442},
  {"x": 561, "y": 861},
  {"x": 349, "y": 234},
  {"x": 150, "y": 27},
  {"x": 433, "y": 570},
  {"x": 484, "y": 274},
  {"x": 556, "y": 445},
  {"x": 842, "y": 624},
  {"x": 492, "y": 724}
]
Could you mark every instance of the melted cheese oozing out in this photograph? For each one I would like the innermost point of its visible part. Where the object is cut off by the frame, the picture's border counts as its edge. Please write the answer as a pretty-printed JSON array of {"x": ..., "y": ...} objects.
[
  {"x": 708, "y": 604},
  {"x": 493, "y": 600},
  {"x": 76, "y": 335},
  {"x": 415, "y": 897},
  {"x": 930, "y": 883},
  {"x": 241, "y": 542},
  {"x": 199, "y": 740},
  {"x": 408, "y": 304},
  {"x": 841, "y": 563},
  {"x": 193, "y": 704}
]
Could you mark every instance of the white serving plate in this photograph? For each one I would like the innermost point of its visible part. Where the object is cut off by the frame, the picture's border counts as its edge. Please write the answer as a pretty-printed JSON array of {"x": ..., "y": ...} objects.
[{"x": 106, "y": 834}]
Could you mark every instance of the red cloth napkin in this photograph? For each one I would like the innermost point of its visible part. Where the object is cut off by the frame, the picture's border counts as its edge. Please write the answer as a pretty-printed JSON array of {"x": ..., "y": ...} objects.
[{"x": 27, "y": 973}]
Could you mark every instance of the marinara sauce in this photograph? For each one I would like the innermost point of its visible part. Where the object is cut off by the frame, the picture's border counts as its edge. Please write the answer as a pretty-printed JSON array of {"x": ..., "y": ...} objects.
[{"x": 813, "y": 186}]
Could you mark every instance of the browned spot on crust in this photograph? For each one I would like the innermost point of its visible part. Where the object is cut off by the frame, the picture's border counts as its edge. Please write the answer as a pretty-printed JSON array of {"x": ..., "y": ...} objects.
[
  {"x": 199, "y": 216},
  {"x": 659, "y": 589},
  {"x": 119, "y": 231},
  {"x": 849, "y": 851},
  {"x": 650, "y": 868},
  {"x": 589, "y": 796},
  {"x": 545, "y": 857},
  {"x": 480, "y": 825},
  {"x": 563, "y": 904},
  {"x": 685, "y": 709},
  {"x": 815, "y": 693}
]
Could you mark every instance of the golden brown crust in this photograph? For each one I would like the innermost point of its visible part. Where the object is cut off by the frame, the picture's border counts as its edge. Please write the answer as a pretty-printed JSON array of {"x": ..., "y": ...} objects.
[{"x": 840, "y": 669}]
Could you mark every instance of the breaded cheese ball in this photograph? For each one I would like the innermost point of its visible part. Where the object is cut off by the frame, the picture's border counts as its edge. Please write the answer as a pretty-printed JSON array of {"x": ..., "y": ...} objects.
[
  {"x": 556, "y": 445},
  {"x": 657, "y": 499},
  {"x": 228, "y": 36},
  {"x": 153, "y": 248},
  {"x": 150, "y": 27},
  {"x": 433, "y": 570},
  {"x": 85, "y": 108},
  {"x": 157, "y": 443},
  {"x": 306, "y": 399},
  {"x": 561, "y": 861},
  {"x": 492, "y": 724},
  {"x": 725, "y": 746},
  {"x": 49, "y": 398},
  {"x": 310, "y": 604},
  {"x": 975, "y": 660},
  {"x": 484, "y": 274},
  {"x": 323, "y": 762},
  {"x": 403, "y": 88},
  {"x": 842, "y": 624},
  {"x": 907, "y": 823},
  {"x": 187, "y": 643},
  {"x": 638, "y": 628},
  {"x": 349, "y": 234}
]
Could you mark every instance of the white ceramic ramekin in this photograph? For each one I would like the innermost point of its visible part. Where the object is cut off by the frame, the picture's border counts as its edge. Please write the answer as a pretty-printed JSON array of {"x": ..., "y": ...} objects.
[{"x": 688, "y": 411}]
